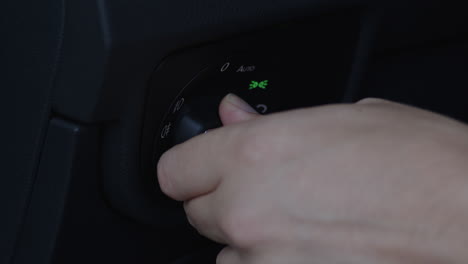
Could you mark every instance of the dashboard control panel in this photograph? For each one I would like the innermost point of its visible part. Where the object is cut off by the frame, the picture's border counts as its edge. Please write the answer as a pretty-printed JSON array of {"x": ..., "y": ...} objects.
[{"x": 289, "y": 65}]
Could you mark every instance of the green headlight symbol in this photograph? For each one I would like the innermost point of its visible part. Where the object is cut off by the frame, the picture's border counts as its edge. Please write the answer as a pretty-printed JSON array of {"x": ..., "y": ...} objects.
[{"x": 255, "y": 84}]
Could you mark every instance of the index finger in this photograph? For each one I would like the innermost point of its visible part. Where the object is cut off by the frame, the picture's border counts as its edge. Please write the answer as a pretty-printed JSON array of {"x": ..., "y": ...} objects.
[{"x": 193, "y": 168}]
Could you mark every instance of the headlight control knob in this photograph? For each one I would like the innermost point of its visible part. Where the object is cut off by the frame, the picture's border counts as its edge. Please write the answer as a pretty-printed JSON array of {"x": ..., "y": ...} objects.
[{"x": 196, "y": 116}]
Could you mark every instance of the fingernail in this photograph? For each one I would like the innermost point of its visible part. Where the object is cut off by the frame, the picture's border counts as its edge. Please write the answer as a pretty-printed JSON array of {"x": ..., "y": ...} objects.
[{"x": 239, "y": 103}]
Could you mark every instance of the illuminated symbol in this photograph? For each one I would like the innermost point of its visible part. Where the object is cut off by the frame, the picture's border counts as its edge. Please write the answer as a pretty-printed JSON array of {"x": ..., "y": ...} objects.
[
  {"x": 165, "y": 131},
  {"x": 262, "y": 85},
  {"x": 178, "y": 105},
  {"x": 262, "y": 108},
  {"x": 225, "y": 66}
]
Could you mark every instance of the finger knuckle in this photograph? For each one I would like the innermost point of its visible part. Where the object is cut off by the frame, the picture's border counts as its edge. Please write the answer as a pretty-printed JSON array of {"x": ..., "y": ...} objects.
[
  {"x": 224, "y": 256},
  {"x": 372, "y": 100},
  {"x": 252, "y": 149},
  {"x": 240, "y": 229}
]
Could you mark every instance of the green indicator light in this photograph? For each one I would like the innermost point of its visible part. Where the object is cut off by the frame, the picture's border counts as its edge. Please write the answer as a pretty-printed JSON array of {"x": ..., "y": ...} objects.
[{"x": 262, "y": 85}]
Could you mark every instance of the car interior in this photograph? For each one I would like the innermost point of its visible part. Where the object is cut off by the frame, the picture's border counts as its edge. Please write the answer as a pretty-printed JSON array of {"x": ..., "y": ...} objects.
[{"x": 100, "y": 89}]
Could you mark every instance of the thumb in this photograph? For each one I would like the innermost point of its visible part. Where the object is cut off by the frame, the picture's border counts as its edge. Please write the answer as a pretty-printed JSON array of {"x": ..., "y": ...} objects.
[{"x": 233, "y": 109}]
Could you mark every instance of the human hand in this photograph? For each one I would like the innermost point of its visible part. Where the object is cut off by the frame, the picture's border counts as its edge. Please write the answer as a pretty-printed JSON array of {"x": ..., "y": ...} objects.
[{"x": 372, "y": 182}]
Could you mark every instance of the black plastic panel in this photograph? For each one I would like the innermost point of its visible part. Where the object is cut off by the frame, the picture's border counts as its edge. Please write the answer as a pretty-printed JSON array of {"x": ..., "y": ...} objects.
[
  {"x": 111, "y": 47},
  {"x": 30, "y": 39},
  {"x": 434, "y": 77},
  {"x": 70, "y": 150}
]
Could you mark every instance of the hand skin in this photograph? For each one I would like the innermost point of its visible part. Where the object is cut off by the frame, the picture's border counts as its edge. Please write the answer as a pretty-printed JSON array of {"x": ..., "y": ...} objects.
[{"x": 371, "y": 182}]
